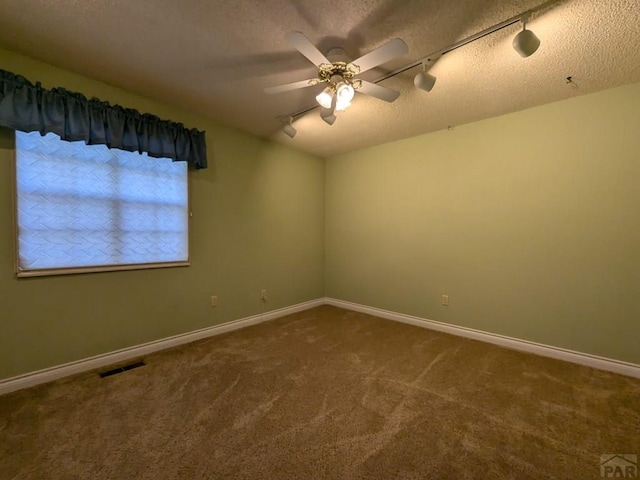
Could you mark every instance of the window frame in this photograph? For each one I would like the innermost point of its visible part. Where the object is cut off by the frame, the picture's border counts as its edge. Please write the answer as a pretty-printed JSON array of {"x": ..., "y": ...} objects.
[{"x": 45, "y": 272}]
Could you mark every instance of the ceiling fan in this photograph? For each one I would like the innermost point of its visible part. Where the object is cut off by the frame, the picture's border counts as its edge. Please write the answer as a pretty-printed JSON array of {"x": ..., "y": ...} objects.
[{"x": 340, "y": 74}]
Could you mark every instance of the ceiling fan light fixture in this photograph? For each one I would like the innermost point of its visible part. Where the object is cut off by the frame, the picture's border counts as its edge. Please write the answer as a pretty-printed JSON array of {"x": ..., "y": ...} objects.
[
  {"x": 526, "y": 42},
  {"x": 345, "y": 92},
  {"x": 337, "y": 71},
  {"x": 342, "y": 106},
  {"x": 324, "y": 97}
]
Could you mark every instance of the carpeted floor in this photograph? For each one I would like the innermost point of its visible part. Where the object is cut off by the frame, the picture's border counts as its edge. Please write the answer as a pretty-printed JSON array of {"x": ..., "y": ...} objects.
[{"x": 324, "y": 394}]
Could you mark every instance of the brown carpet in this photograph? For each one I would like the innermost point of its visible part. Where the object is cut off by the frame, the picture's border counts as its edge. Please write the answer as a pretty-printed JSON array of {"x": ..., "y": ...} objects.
[{"x": 324, "y": 394}]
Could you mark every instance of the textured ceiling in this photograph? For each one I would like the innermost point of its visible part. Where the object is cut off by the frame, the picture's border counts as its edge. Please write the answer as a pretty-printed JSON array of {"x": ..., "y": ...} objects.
[{"x": 215, "y": 57}]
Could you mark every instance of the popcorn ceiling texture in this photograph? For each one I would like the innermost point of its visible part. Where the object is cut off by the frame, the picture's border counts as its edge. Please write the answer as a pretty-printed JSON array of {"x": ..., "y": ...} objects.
[{"x": 215, "y": 58}]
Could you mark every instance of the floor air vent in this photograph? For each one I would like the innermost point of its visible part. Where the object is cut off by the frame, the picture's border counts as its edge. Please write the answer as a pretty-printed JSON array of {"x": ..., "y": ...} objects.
[{"x": 131, "y": 366}]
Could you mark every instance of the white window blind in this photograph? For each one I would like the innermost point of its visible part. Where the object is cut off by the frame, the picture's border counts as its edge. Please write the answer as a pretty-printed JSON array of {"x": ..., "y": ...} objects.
[{"x": 88, "y": 207}]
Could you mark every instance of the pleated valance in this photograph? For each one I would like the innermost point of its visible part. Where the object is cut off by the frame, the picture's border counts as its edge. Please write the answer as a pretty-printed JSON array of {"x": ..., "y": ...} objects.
[{"x": 28, "y": 107}]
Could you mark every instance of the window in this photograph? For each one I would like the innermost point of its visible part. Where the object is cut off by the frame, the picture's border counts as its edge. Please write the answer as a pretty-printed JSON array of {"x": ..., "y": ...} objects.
[{"x": 86, "y": 207}]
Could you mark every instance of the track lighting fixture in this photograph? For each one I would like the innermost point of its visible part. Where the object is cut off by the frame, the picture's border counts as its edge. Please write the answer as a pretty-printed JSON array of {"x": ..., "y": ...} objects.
[
  {"x": 328, "y": 115},
  {"x": 339, "y": 91},
  {"x": 423, "y": 80},
  {"x": 289, "y": 128},
  {"x": 525, "y": 43}
]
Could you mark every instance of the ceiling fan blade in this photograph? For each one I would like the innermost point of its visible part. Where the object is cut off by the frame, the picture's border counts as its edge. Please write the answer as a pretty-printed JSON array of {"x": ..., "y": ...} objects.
[
  {"x": 301, "y": 43},
  {"x": 291, "y": 86},
  {"x": 373, "y": 90},
  {"x": 388, "y": 51}
]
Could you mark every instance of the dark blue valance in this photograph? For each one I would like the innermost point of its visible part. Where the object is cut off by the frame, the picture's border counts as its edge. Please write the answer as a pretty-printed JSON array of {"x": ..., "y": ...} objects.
[{"x": 28, "y": 107}]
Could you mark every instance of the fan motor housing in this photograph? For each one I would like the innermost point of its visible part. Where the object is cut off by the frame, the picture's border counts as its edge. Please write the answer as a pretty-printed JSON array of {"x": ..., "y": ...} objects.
[{"x": 337, "y": 54}]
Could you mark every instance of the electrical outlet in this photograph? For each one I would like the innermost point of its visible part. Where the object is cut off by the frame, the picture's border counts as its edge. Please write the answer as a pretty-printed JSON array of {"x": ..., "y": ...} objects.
[
  {"x": 445, "y": 300},
  {"x": 263, "y": 296},
  {"x": 214, "y": 300}
]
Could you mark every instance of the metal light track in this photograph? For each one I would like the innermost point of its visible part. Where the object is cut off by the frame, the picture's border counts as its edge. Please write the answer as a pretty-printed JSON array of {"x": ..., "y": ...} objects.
[{"x": 447, "y": 49}]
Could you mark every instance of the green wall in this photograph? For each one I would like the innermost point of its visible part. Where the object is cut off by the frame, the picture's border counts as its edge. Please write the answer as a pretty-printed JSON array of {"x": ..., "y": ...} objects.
[
  {"x": 530, "y": 222},
  {"x": 258, "y": 224}
]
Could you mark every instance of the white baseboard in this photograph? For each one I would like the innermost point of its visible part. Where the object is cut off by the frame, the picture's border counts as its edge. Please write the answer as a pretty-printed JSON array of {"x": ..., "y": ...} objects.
[
  {"x": 118, "y": 356},
  {"x": 616, "y": 366},
  {"x": 49, "y": 374}
]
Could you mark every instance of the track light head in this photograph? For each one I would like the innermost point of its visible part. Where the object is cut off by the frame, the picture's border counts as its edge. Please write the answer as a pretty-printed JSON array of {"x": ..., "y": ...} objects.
[
  {"x": 289, "y": 128},
  {"x": 526, "y": 43},
  {"x": 423, "y": 80},
  {"x": 329, "y": 114},
  {"x": 330, "y": 119}
]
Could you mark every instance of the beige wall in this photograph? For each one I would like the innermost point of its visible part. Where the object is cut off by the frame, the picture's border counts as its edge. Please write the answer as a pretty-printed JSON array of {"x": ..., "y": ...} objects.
[
  {"x": 258, "y": 223},
  {"x": 530, "y": 222}
]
